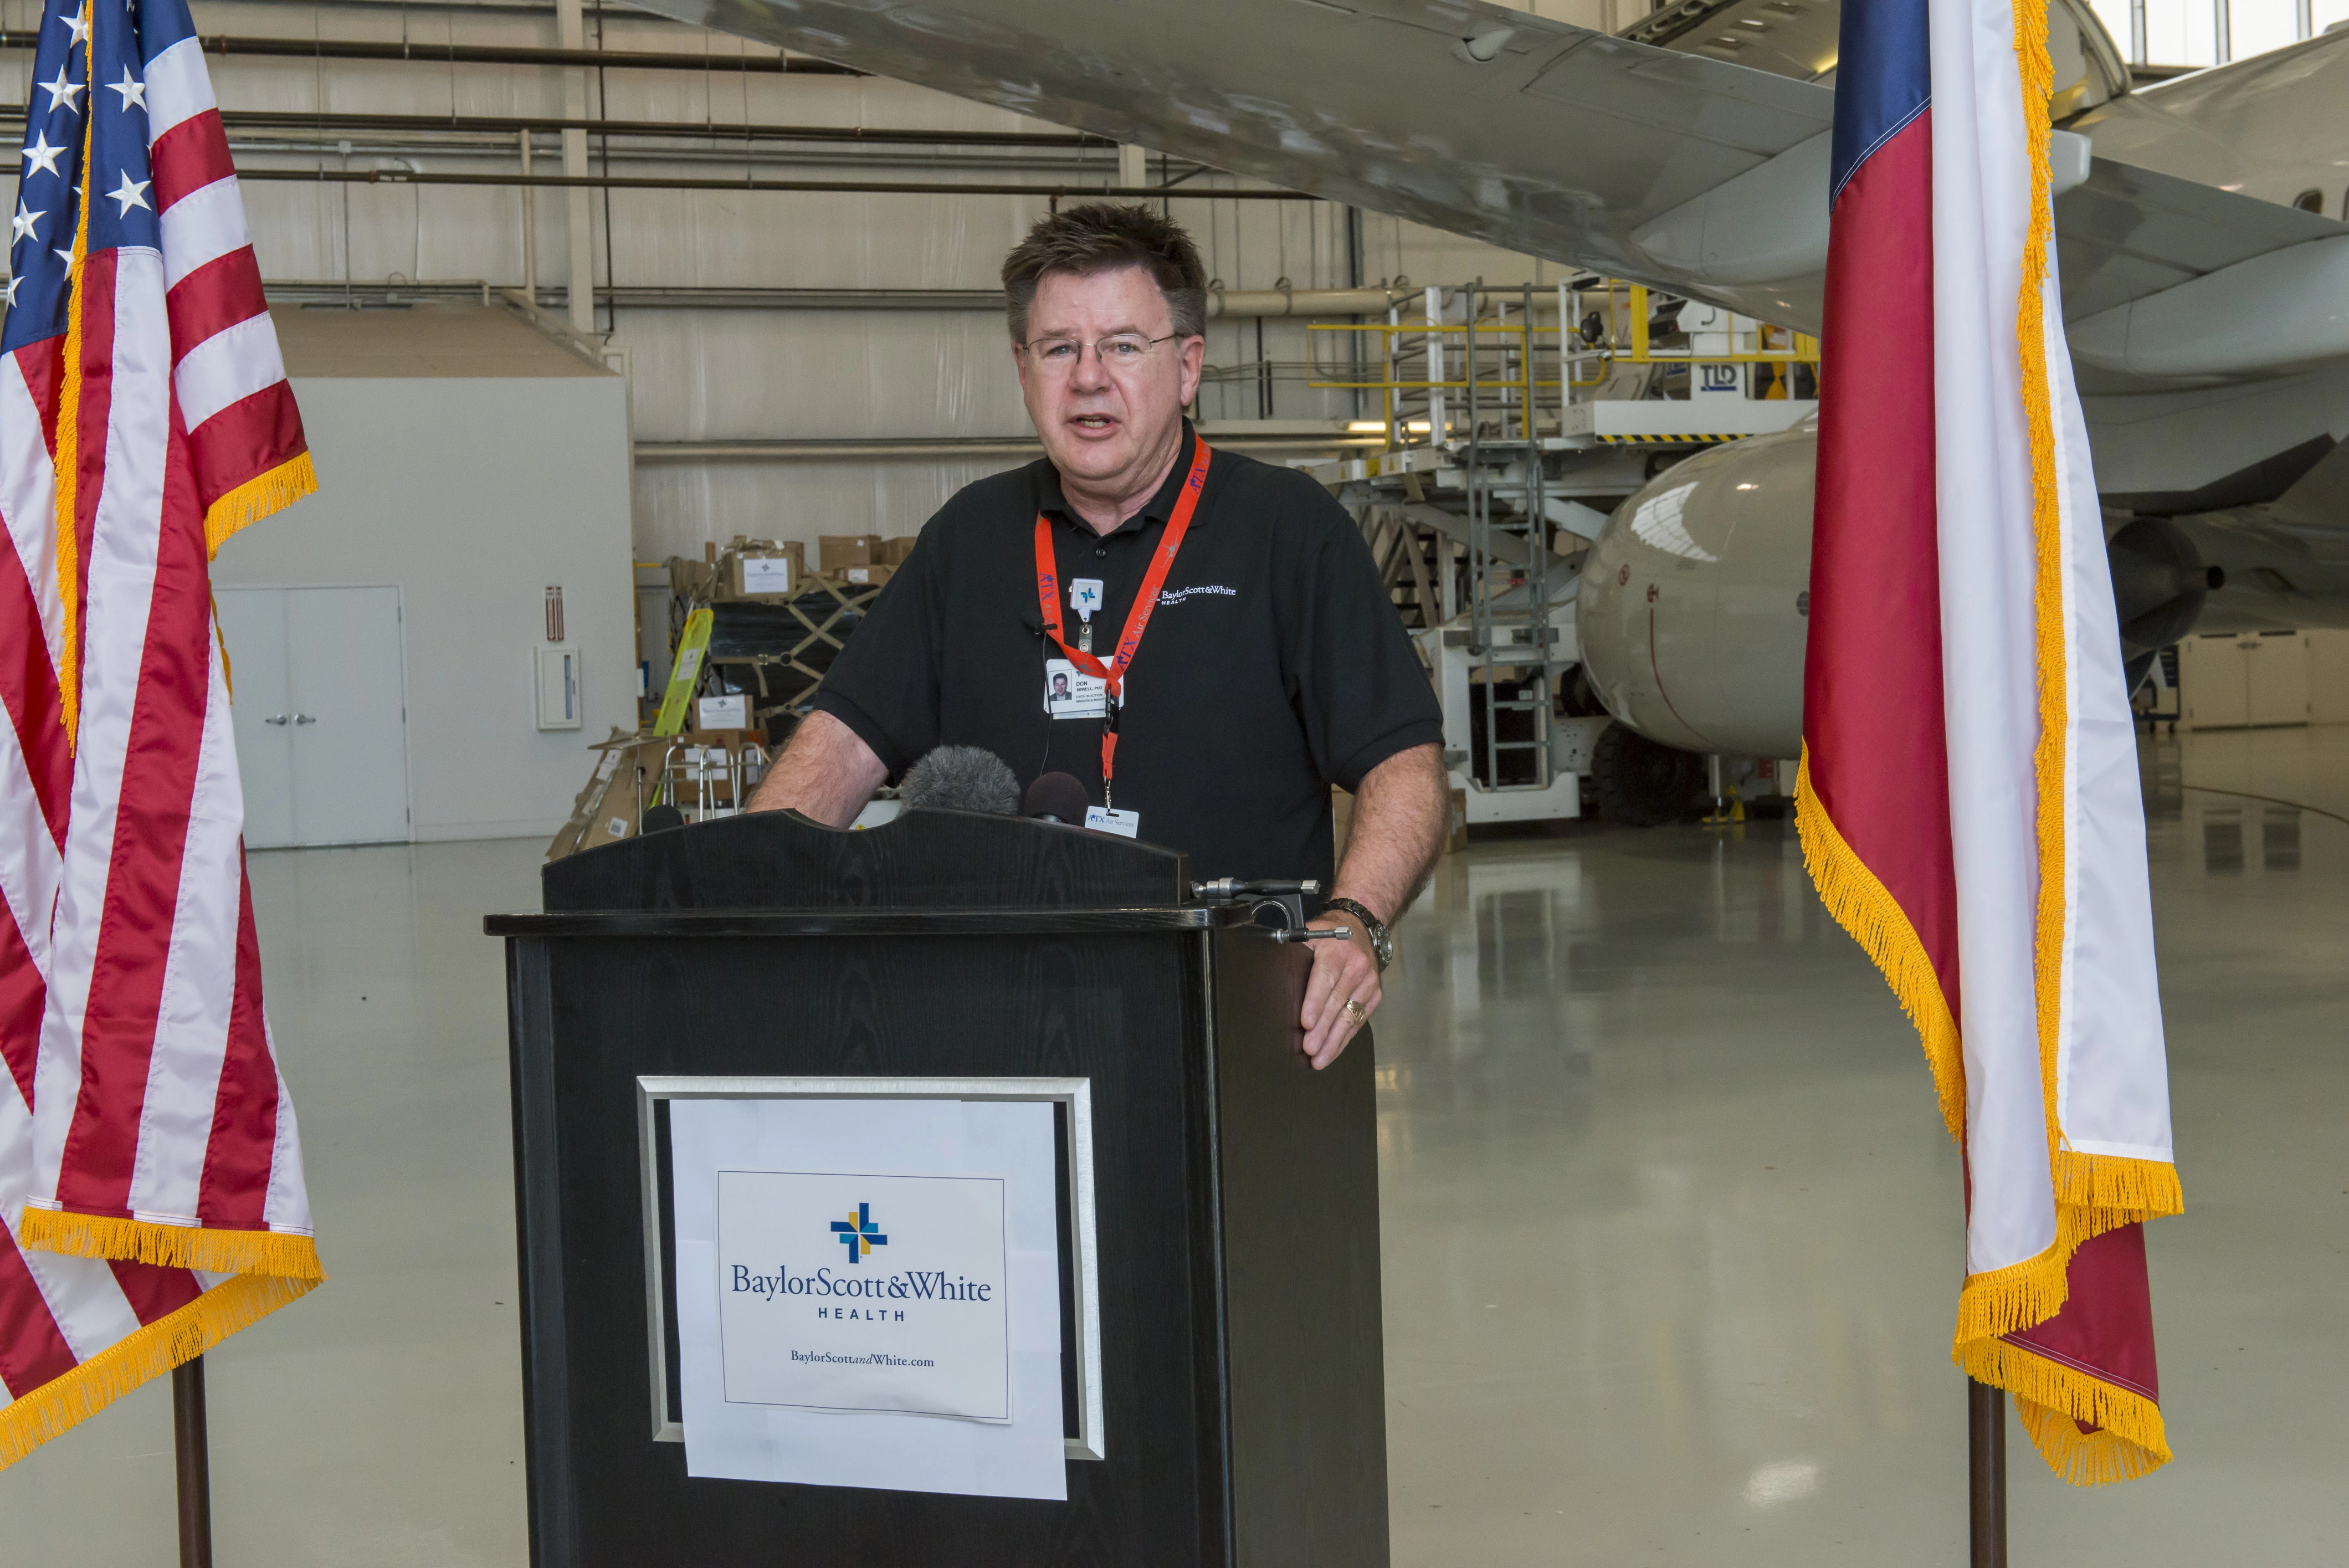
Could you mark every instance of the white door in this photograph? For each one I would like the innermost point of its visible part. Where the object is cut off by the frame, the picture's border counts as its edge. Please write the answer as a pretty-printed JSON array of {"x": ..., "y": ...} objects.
[
  {"x": 253, "y": 631},
  {"x": 2213, "y": 686},
  {"x": 2278, "y": 672},
  {"x": 321, "y": 722}
]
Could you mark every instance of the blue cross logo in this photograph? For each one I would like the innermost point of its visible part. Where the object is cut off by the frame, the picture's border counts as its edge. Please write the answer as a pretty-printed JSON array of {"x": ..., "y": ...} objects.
[{"x": 858, "y": 1233}]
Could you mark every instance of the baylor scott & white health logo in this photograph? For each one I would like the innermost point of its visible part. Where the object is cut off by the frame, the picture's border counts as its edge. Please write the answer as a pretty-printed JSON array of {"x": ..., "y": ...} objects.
[
  {"x": 860, "y": 1234},
  {"x": 821, "y": 1303}
]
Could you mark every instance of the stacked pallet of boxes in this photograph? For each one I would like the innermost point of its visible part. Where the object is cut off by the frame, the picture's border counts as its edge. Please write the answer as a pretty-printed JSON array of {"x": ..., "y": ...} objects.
[
  {"x": 773, "y": 631},
  {"x": 776, "y": 626}
]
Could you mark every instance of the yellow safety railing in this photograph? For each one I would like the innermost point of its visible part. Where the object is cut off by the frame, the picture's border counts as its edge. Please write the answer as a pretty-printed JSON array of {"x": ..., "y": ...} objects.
[
  {"x": 1616, "y": 346},
  {"x": 1524, "y": 383},
  {"x": 1420, "y": 329},
  {"x": 1799, "y": 348}
]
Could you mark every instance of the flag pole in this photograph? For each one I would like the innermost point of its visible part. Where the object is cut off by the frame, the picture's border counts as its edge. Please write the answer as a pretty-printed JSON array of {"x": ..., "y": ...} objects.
[
  {"x": 194, "y": 1464},
  {"x": 1986, "y": 1473}
]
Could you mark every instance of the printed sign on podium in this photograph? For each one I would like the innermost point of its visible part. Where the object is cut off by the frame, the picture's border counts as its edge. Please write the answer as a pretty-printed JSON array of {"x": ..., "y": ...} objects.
[
  {"x": 867, "y": 1288},
  {"x": 911, "y": 1317}
]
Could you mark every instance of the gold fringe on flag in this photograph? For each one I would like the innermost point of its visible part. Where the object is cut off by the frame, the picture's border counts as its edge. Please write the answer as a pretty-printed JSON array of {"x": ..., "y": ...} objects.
[
  {"x": 2052, "y": 1400},
  {"x": 1864, "y": 907},
  {"x": 276, "y": 1253},
  {"x": 2051, "y": 755},
  {"x": 2140, "y": 1188},
  {"x": 64, "y": 1402},
  {"x": 257, "y": 498},
  {"x": 66, "y": 465}
]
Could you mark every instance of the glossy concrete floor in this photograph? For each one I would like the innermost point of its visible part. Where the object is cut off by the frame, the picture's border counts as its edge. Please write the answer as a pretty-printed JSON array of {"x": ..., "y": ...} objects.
[{"x": 1671, "y": 1226}]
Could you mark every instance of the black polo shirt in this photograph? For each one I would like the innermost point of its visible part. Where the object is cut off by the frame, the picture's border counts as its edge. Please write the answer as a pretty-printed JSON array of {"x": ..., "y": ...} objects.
[{"x": 1274, "y": 666}]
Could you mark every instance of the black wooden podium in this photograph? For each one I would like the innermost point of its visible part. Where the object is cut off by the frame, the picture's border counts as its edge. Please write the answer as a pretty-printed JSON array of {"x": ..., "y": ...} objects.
[{"x": 1234, "y": 1189}]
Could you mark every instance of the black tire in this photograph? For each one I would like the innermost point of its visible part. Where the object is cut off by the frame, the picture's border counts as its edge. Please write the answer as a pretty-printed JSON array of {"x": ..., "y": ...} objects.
[
  {"x": 1642, "y": 784},
  {"x": 1576, "y": 699}
]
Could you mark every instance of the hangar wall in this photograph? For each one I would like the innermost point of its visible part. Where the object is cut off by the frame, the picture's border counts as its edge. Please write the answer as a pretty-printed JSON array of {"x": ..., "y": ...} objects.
[{"x": 702, "y": 374}]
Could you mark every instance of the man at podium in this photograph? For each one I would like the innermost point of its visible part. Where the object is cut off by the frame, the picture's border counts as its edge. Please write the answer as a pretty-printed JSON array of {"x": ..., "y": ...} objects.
[{"x": 1200, "y": 640}]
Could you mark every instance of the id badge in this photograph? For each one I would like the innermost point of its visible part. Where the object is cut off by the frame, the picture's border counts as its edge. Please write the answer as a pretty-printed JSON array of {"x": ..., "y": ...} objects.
[
  {"x": 1125, "y": 824},
  {"x": 1070, "y": 693}
]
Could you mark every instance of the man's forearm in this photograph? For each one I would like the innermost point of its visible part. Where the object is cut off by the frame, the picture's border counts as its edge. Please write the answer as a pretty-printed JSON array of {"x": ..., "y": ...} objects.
[
  {"x": 826, "y": 772},
  {"x": 1398, "y": 831}
]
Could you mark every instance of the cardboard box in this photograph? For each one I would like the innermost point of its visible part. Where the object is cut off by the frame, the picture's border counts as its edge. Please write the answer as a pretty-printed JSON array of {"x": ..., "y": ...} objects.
[
  {"x": 838, "y": 551},
  {"x": 691, "y": 579},
  {"x": 731, "y": 711},
  {"x": 866, "y": 577},
  {"x": 895, "y": 551},
  {"x": 766, "y": 570},
  {"x": 607, "y": 810}
]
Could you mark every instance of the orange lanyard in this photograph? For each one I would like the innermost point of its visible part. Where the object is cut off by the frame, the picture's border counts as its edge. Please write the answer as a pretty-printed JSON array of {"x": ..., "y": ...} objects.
[{"x": 1137, "y": 619}]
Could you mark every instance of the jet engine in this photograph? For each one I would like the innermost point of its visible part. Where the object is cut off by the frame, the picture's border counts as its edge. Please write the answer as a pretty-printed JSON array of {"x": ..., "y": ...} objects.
[
  {"x": 1693, "y": 604},
  {"x": 2159, "y": 585}
]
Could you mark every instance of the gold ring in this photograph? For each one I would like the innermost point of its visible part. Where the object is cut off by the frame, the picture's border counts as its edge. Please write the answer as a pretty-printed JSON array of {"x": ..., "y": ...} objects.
[{"x": 1355, "y": 1008}]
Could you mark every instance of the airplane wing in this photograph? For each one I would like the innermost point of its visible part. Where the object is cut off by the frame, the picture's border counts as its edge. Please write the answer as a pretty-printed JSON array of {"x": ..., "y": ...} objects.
[
  {"x": 1667, "y": 161},
  {"x": 2129, "y": 232},
  {"x": 1563, "y": 145}
]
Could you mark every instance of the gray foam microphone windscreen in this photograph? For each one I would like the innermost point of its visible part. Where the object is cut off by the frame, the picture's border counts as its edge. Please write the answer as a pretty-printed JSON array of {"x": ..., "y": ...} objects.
[{"x": 961, "y": 778}]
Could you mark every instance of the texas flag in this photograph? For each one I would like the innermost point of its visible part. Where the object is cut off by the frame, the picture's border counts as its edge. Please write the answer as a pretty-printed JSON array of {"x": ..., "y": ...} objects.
[{"x": 1968, "y": 799}]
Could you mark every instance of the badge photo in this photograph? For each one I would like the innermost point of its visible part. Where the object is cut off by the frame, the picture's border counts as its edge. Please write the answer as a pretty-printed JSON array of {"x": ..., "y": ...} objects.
[{"x": 1070, "y": 693}]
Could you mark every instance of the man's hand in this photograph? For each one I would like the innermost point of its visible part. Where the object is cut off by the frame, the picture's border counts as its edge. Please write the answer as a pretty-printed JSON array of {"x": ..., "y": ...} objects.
[
  {"x": 1399, "y": 815},
  {"x": 1343, "y": 971}
]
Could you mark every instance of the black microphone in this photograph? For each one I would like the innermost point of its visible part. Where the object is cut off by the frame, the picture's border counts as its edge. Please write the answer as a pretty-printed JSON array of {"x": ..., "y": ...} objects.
[
  {"x": 961, "y": 778},
  {"x": 1058, "y": 797},
  {"x": 662, "y": 818}
]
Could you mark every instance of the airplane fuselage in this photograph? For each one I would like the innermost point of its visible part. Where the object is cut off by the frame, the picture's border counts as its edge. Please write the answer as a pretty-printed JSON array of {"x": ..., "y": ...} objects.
[{"x": 1692, "y": 606}]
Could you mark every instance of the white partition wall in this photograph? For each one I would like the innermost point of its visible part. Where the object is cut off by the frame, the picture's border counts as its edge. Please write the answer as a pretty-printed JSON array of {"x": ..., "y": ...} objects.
[{"x": 465, "y": 466}]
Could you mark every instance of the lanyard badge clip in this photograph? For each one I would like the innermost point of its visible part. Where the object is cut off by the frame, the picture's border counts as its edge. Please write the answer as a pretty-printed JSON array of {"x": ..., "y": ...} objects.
[{"x": 1084, "y": 598}]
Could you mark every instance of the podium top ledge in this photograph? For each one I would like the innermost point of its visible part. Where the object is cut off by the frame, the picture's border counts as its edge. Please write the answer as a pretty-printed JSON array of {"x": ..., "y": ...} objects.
[
  {"x": 980, "y": 922},
  {"x": 925, "y": 860}
]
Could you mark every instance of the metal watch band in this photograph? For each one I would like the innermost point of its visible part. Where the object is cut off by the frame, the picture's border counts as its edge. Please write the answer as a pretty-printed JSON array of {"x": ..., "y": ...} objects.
[{"x": 1379, "y": 944}]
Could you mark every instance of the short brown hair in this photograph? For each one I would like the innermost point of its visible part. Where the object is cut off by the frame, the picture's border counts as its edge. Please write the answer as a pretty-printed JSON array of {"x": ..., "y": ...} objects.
[{"x": 1102, "y": 236}]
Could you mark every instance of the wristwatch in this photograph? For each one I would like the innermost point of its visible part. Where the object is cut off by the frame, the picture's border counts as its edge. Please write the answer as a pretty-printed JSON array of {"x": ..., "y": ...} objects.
[{"x": 1382, "y": 940}]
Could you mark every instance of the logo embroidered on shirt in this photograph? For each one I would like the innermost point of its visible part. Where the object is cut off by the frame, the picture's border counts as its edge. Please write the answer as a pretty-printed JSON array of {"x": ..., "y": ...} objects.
[{"x": 1176, "y": 596}]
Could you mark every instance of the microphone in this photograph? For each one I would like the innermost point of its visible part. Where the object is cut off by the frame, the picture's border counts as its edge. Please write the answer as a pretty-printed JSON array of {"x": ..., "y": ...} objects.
[
  {"x": 662, "y": 818},
  {"x": 1057, "y": 797},
  {"x": 961, "y": 778}
]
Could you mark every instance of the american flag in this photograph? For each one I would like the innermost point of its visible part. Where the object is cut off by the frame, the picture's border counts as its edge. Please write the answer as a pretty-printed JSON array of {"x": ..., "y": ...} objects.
[{"x": 151, "y": 1175}]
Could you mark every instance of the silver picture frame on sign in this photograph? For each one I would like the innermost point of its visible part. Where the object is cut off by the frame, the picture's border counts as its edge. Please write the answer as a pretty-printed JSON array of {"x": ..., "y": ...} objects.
[{"x": 1076, "y": 1094}]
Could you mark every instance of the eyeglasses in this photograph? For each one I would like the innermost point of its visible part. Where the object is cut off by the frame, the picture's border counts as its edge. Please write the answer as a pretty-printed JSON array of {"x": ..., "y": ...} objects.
[{"x": 1120, "y": 351}]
